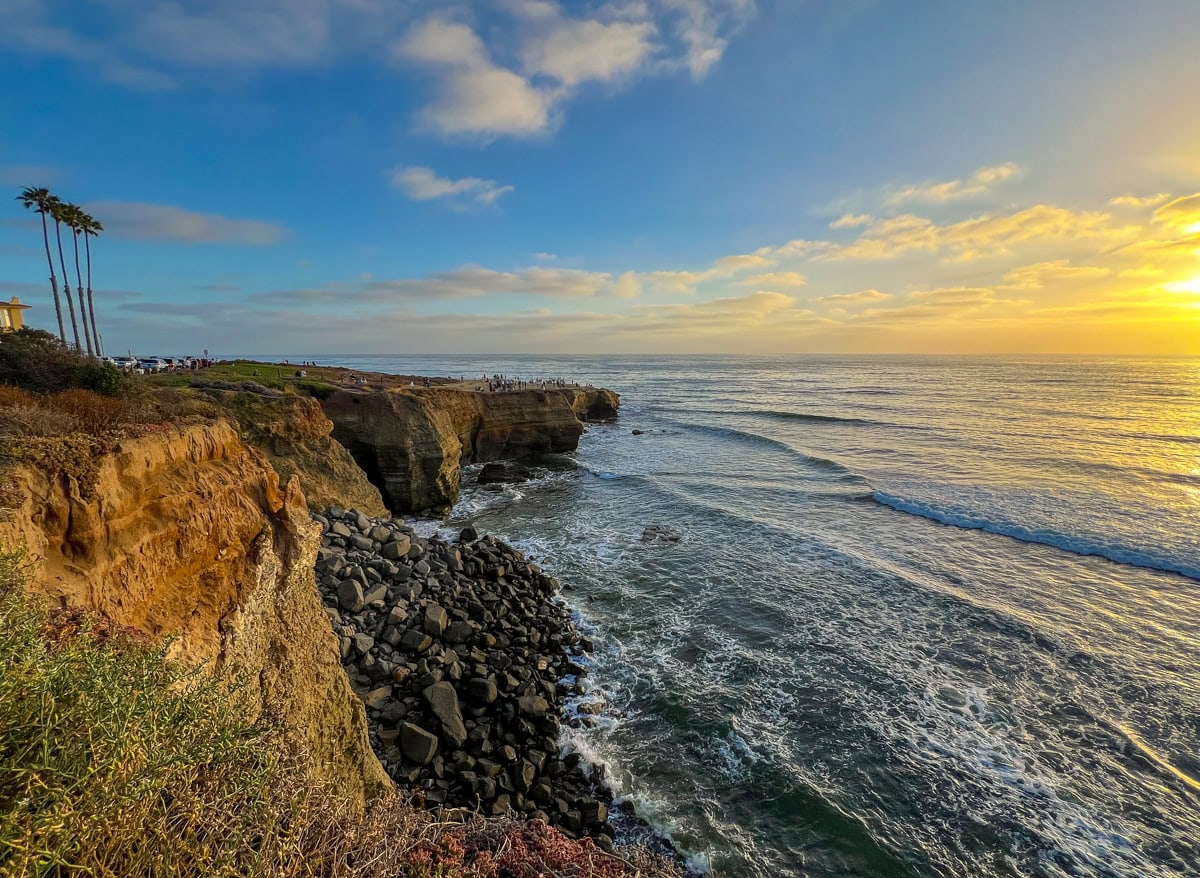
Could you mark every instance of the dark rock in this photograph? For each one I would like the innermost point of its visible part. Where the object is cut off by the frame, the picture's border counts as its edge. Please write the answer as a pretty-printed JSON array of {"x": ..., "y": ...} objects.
[
  {"x": 417, "y": 744},
  {"x": 533, "y": 705},
  {"x": 435, "y": 620},
  {"x": 415, "y": 641},
  {"x": 481, "y": 690},
  {"x": 443, "y": 701},
  {"x": 350, "y": 595}
]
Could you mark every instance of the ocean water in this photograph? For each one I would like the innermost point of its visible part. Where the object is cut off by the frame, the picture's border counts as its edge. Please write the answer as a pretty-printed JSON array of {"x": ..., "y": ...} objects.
[{"x": 925, "y": 616}]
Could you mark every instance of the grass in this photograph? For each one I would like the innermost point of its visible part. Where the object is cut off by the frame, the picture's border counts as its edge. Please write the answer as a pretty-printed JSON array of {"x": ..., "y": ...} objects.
[
  {"x": 269, "y": 375},
  {"x": 115, "y": 761}
]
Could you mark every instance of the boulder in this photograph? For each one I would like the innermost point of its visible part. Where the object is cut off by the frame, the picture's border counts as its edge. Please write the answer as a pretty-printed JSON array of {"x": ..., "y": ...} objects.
[
  {"x": 443, "y": 702},
  {"x": 350, "y": 595},
  {"x": 435, "y": 620},
  {"x": 533, "y": 705},
  {"x": 416, "y": 744}
]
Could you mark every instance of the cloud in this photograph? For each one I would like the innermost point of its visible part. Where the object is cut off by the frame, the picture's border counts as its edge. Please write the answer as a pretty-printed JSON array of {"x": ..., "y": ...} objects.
[
  {"x": 468, "y": 281},
  {"x": 939, "y": 192},
  {"x": 851, "y": 221},
  {"x": 976, "y": 238},
  {"x": 29, "y": 175},
  {"x": 858, "y": 298},
  {"x": 1033, "y": 277},
  {"x": 162, "y": 222},
  {"x": 423, "y": 184},
  {"x": 514, "y": 83},
  {"x": 556, "y": 56},
  {"x": 1182, "y": 214},
  {"x": 577, "y": 51},
  {"x": 474, "y": 95},
  {"x": 742, "y": 261},
  {"x": 544, "y": 257},
  {"x": 774, "y": 279},
  {"x": 939, "y": 305},
  {"x": 1139, "y": 201},
  {"x": 704, "y": 27}
]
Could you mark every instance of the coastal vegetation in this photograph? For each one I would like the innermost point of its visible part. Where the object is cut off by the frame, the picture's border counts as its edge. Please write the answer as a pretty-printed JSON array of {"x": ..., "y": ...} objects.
[{"x": 116, "y": 760}]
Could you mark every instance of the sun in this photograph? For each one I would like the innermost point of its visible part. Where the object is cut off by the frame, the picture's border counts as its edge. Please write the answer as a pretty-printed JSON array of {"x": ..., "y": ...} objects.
[
  {"x": 1192, "y": 285},
  {"x": 1193, "y": 229}
]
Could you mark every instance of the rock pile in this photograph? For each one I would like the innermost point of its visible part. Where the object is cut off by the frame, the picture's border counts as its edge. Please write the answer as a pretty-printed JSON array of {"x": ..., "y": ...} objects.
[{"x": 463, "y": 660}]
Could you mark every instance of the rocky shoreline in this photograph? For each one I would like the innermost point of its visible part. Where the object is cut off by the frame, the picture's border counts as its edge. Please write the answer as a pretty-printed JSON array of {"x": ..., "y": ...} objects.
[{"x": 464, "y": 658}]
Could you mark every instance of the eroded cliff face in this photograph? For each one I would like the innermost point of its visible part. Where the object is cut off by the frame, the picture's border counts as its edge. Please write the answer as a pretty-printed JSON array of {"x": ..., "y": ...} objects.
[
  {"x": 188, "y": 534},
  {"x": 295, "y": 435},
  {"x": 413, "y": 443}
]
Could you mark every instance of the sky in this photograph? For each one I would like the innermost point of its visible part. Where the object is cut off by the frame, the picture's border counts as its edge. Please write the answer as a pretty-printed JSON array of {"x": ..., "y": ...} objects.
[{"x": 638, "y": 176}]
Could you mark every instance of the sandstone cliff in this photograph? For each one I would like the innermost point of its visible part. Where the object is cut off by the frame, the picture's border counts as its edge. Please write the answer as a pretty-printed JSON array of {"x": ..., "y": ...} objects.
[
  {"x": 413, "y": 443},
  {"x": 188, "y": 534},
  {"x": 295, "y": 435}
]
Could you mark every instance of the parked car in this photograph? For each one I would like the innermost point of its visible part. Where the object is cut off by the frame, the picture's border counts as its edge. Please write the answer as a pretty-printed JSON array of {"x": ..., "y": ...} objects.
[
  {"x": 152, "y": 365},
  {"x": 125, "y": 364}
]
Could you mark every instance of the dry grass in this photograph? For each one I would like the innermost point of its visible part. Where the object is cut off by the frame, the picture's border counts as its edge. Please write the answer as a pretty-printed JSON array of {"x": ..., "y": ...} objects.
[{"x": 116, "y": 762}]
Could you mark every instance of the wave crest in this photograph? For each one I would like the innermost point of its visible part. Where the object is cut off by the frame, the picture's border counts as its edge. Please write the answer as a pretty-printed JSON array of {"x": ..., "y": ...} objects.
[{"x": 1068, "y": 542}]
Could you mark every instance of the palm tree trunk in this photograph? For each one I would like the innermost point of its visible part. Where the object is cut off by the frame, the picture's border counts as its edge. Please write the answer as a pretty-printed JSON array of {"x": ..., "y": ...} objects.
[
  {"x": 62, "y": 332},
  {"x": 67, "y": 284},
  {"x": 83, "y": 313},
  {"x": 87, "y": 246}
]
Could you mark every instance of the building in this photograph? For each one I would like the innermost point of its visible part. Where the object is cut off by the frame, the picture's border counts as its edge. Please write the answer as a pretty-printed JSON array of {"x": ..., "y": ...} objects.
[{"x": 10, "y": 315}]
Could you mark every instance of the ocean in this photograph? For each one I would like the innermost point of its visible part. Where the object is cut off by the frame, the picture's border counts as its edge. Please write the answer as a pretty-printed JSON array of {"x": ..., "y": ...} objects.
[{"x": 923, "y": 616}]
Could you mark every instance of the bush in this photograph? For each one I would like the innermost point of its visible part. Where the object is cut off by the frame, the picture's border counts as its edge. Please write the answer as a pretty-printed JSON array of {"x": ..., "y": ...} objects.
[
  {"x": 94, "y": 413},
  {"x": 36, "y": 360}
]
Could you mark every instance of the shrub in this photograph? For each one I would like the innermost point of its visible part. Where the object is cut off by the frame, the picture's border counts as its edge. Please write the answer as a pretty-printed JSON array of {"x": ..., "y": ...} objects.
[
  {"x": 36, "y": 360},
  {"x": 95, "y": 414}
]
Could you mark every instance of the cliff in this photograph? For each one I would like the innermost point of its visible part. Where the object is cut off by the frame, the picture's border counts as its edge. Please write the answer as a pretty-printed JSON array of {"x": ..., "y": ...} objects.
[
  {"x": 186, "y": 533},
  {"x": 295, "y": 435},
  {"x": 413, "y": 443}
]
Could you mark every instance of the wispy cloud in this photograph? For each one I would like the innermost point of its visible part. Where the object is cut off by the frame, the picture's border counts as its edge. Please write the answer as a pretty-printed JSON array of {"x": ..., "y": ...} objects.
[
  {"x": 1037, "y": 276},
  {"x": 29, "y": 175},
  {"x": 858, "y": 298},
  {"x": 1140, "y": 200},
  {"x": 164, "y": 222},
  {"x": 940, "y": 191},
  {"x": 774, "y": 279},
  {"x": 424, "y": 184}
]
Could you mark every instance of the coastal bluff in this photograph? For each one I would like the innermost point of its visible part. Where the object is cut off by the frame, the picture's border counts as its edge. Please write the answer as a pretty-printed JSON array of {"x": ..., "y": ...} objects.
[
  {"x": 187, "y": 533},
  {"x": 413, "y": 442}
]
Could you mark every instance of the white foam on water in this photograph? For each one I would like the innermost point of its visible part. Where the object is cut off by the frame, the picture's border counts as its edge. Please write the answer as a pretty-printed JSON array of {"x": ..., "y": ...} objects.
[{"x": 1079, "y": 545}]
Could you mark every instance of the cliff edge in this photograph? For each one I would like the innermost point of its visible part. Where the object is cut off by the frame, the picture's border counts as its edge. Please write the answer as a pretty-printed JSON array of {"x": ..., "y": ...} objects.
[
  {"x": 186, "y": 533},
  {"x": 412, "y": 443}
]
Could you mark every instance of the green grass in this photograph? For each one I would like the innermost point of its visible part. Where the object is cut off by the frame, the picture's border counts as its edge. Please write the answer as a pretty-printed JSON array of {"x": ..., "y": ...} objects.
[{"x": 274, "y": 376}]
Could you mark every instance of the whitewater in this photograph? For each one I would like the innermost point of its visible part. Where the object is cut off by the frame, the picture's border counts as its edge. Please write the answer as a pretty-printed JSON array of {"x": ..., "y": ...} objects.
[{"x": 925, "y": 616}]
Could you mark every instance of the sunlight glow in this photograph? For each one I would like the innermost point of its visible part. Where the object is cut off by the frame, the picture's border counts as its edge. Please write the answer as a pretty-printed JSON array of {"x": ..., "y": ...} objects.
[
  {"x": 1193, "y": 229},
  {"x": 1191, "y": 285}
]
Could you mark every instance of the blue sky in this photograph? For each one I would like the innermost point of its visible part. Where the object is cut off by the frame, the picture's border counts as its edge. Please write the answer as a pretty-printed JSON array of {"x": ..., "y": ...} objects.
[{"x": 325, "y": 176}]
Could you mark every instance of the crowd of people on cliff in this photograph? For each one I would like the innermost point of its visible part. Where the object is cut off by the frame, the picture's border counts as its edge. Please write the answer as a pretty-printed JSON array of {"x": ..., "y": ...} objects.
[{"x": 499, "y": 382}]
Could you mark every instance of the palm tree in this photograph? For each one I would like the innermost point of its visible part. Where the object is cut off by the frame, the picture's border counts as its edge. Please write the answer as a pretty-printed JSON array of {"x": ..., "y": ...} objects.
[
  {"x": 91, "y": 228},
  {"x": 58, "y": 212},
  {"x": 74, "y": 217},
  {"x": 39, "y": 200}
]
